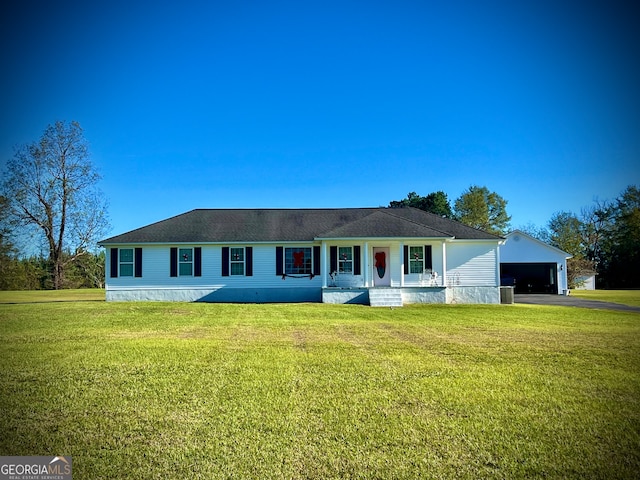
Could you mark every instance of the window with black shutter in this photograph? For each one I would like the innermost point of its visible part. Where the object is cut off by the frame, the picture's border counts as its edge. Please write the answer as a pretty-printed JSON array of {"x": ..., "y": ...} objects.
[
  {"x": 113, "y": 257},
  {"x": 248, "y": 269},
  {"x": 173, "y": 268},
  {"x": 138, "y": 262},
  {"x": 237, "y": 261},
  {"x": 280, "y": 261},
  {"x": 197, "y": 262}
]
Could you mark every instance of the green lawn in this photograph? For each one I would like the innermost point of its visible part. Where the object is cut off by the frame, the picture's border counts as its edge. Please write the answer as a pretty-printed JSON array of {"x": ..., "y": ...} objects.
[
  {"x": 45, "y": 296},
  {"x": 169, "y": 390},
  {"x": 626, "y": 297}
]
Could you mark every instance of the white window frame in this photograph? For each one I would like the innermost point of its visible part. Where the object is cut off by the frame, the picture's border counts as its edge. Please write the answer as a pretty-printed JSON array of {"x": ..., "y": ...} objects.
[
  {"x": 289, "y": 269},
  {"x": 182, "y": 261},
  {"x": 233, "y": 261},
  {"x": 122, "y": 263},
  {"x": 413, "y": 261},
  {"x": 344, "y": 260}
]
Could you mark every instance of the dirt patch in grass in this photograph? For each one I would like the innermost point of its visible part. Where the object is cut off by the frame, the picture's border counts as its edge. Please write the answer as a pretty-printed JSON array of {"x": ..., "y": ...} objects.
[{"x": 300, "y": 339}]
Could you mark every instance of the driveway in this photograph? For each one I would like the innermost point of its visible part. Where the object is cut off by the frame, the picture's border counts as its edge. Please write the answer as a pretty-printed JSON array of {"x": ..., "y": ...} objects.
[{"x": 569, "y": 301}]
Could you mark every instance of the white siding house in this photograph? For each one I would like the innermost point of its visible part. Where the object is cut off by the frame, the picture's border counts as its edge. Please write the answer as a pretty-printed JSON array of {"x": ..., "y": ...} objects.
[{"x": 315, "y": 255}]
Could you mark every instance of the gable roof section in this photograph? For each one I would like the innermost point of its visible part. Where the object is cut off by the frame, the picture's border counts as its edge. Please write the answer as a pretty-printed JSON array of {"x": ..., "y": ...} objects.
[
  {"x": 512, "y": 237},
  {"x": 381, "y": 225},
  {"x": 447, "y": 227},
  {"x": 290, "y": 225}
]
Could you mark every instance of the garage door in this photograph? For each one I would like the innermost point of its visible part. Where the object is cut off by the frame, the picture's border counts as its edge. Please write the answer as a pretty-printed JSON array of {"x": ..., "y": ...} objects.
[{"x": 530, "y": 277}]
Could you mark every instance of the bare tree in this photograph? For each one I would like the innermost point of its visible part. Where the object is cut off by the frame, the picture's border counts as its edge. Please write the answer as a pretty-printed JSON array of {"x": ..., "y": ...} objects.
[
  {"x": 51, "y": 185},
  {"x": 598, "y": 223}
]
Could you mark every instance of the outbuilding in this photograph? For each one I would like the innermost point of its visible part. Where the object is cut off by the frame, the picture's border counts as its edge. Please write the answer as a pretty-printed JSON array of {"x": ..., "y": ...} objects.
[{"x": 532, "y": 266}]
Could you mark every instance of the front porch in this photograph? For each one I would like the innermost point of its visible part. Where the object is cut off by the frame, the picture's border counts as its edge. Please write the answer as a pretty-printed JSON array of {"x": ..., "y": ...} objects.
[{"x": 396, "y": 273}]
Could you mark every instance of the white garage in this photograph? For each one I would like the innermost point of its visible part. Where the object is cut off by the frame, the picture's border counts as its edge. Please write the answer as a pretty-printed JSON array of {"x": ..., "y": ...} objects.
[{"x": 532, "y": 266}]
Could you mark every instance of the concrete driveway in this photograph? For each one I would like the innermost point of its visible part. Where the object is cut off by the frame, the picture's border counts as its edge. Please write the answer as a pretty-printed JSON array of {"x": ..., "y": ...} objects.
[{"x": 569, "y": 301}]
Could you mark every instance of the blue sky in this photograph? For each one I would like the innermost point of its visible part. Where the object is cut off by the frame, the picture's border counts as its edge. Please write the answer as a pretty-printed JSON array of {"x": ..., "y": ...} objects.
[{"x": 331, "y": 104}]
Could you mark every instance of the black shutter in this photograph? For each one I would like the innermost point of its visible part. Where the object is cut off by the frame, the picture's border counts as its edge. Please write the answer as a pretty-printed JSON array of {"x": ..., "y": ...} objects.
[
  {"x": 138, "y": 262},
  {"x": 316, "y": 260},
  {"x": 248, "y": 261},
  {"x": 197, "y": 262},
  {"x": 174, "y": 262},
  {"x": 114, "y": 263},
  {"x": 333, "y": 259},
  {"x": 225, "y": 261},
  {"x": 428, "y": 257},
  {"x": 357, "y": 269},
  {"x": 406, "y": 259},
  {"x": 280, "y": 261}
]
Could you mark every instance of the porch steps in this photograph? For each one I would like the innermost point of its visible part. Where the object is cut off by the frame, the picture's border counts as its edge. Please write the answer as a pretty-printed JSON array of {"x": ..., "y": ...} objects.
[{"x": 385, "y": 297}]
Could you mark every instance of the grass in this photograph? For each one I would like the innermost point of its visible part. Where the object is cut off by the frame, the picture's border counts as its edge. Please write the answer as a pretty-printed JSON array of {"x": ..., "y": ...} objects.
[
  {"x": 625, "y": 297},
  {"x": 158, "y": 390},
  {"x": 47, "y": 296}
]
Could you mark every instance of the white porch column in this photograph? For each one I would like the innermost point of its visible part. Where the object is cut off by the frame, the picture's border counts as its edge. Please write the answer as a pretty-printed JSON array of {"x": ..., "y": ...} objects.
[
  {"x": 402, "y": 260},
  {"x": 366, "y": 264},
  {"x": 444, "y": 263},
  {"x": 498, "y": 263},
  {"x": 324, "y": 264}
]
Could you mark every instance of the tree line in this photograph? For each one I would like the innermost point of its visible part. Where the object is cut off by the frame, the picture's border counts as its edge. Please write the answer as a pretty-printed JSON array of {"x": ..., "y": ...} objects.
[
  {"x": 604, "y": 238},
  {"x": 34, "y": 273},
  {"x": 52, "y": 214}
]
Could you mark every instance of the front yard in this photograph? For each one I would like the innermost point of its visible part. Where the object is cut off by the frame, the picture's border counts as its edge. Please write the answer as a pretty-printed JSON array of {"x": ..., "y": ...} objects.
[{"x": 167, "y": 390}]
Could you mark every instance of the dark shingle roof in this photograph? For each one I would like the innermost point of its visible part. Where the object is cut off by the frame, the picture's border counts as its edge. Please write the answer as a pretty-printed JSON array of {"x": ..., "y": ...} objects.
[
  {"x": 283, "y": 225},
  {"x": 381, "y": 224}
]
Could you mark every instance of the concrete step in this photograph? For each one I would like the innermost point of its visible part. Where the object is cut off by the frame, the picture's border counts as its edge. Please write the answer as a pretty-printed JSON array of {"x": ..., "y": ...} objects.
[{"x": 385, "y": 297}]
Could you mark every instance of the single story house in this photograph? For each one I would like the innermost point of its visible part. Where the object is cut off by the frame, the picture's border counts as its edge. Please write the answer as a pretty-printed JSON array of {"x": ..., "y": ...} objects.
[
  {"x": 376, "y": 256},
  {"x": 532, "y": 265}
]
